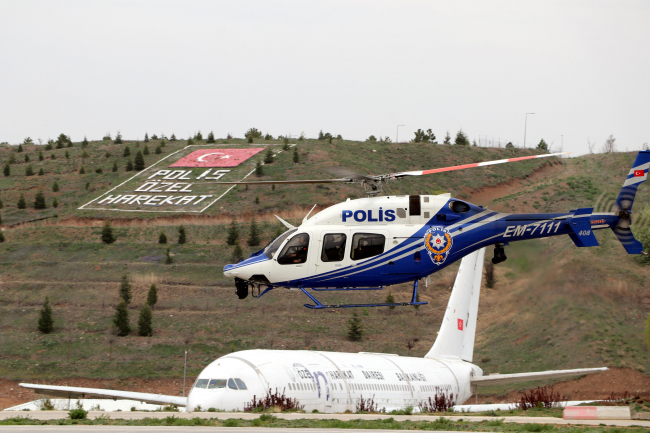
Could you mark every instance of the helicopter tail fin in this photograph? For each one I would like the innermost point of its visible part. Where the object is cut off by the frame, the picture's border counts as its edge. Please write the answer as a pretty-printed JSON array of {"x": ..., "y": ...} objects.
[
  {"x": 623, "y": 206},
  {"x": 458, "y": 329}
]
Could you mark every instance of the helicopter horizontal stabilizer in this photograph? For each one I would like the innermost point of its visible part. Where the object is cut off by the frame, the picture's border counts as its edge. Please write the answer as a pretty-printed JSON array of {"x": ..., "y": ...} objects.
[{"x": 580, "y": 223}]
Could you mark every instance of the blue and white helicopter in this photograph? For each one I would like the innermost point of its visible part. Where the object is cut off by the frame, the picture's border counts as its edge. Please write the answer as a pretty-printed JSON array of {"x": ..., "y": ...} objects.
[{"x": 374, "y": 242}]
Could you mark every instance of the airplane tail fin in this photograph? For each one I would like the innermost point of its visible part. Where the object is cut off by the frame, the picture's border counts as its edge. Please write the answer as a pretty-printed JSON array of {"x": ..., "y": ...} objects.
[
  {"x": 458, "y": 329},
  {"x": 623, "y": 206}
]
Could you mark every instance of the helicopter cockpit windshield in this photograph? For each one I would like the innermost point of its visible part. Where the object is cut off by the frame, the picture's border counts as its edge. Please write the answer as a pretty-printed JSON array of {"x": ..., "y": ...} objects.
[{"x": 270, "y": 250}]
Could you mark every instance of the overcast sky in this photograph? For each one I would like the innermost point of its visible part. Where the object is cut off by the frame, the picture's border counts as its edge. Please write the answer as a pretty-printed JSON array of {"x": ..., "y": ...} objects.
[{"x": 353, "y": 68}]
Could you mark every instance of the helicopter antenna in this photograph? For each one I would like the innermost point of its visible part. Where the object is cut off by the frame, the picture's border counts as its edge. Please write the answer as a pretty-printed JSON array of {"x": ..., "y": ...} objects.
[
  {"x": 286, "y": 224},
  {"x": 304, "y": 220}
]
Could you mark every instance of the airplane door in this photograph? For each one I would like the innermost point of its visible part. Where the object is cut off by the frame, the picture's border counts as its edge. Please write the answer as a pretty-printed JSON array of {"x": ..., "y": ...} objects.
[
  {"x": 331, "y": 251},
  {"x": 292, "y": 262}
]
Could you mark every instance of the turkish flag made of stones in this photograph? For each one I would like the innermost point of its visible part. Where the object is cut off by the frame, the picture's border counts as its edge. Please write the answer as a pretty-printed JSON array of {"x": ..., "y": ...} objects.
[{"x": 217, "y": 157}]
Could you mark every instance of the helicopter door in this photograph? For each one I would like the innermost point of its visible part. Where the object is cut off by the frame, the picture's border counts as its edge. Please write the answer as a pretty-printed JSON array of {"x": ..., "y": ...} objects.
[
  {"x": 332, "y": 254},
  {"x": 415, "y": 209},
  {"x": 293, "y": 260}
]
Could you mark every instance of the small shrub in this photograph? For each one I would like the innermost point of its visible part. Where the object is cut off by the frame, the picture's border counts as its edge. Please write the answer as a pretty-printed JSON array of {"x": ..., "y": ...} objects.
[
  {"x": 182, "y": 235},
  {"x": 22, "y": 204},
  {"x": 259, "y": 169},
  {"x": 121, "y": 319},
  {"x": 254, "y": 236},
  {"x": 139, "y": 161},
  {"x": 55, "y": 202},
  {"x": 99, "y": 170},
  {"x": 162, "y": 239},
  {"x": 39, "y": 201},
  {"x": 390, "y": 299},
  {"x": 169, "y": 260},
  {"x": 366, "y": 405},
  {"x": 145, "y": 151},
  {"x": 29, "y": 171},
  {"x": 543, "y": 396},
  {"x": 145, "y": 322},
  {"x": 273, "y": 400},
  {"x": 237, "y": 253},
  {"x": 355, "y": 328},
  {"x": 78, "y": 414},
  {"x": 114, "y": 169},
  {"x": 45, "y": 319}
]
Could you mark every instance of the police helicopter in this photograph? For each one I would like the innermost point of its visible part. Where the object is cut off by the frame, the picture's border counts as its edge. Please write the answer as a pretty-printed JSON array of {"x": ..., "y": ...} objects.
[{"x": 378, "y": 241}]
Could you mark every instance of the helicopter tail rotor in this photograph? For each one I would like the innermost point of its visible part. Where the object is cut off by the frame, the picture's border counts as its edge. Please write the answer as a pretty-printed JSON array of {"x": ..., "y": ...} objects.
[{"x": 623, "y": 205}]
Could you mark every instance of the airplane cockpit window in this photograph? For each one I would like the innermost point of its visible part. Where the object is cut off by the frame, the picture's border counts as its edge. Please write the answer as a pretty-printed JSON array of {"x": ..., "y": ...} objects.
[
  {"x": 295, "y": 251},
  {"x": 201, "y": 383},
  {"x": 217, "y": 383},
  {"x": 366, "y": 245},
  {"x": 231, "y": 384},
  {"x": 240, "y": 384},
  {"x": 274, "y": 245},
  {"x": 333, "y": 247}
]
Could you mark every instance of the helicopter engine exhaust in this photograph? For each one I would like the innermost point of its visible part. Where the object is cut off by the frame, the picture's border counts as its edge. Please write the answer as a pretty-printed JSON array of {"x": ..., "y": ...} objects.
[{"x": 241, "y": 288}]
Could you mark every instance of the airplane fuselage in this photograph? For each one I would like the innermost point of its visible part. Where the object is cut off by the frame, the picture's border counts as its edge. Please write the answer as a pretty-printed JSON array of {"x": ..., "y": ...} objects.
[{"x": 329, "y": 381}]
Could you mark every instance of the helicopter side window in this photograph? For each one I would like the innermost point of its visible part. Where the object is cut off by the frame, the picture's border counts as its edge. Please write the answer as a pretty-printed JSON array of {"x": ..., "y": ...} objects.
[
  {"x": 273, "y": 246},
  {"x": 333, "y": 247},
  {"x": 366, "y": 245},
  {"x": 295, "y": 251},
  {"x": 458, "y": 206}
]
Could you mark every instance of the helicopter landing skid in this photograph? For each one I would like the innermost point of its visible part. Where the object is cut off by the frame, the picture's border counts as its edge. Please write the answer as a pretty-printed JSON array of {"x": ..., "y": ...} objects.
[{"x": 318, "y": 305}]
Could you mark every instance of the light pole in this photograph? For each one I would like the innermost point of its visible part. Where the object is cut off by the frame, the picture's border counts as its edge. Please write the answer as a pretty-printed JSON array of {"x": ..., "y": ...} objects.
[
  {"x": 525, "y": 123},
  {"x": 397, "y": 134}
]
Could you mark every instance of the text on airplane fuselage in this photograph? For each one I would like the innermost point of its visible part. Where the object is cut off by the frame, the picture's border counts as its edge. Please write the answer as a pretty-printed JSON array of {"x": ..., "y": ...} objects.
[{"x": 387, "y": 215}]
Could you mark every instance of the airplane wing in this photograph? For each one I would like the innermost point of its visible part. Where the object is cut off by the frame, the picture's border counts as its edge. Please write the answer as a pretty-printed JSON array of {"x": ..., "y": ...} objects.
[
  {"x": 76, "y": 392},
  {"x": 502, "y": 379}
]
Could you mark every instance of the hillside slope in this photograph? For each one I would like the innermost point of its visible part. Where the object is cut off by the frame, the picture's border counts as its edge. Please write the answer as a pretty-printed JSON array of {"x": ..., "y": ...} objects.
[{"x": 554, "y": 306}]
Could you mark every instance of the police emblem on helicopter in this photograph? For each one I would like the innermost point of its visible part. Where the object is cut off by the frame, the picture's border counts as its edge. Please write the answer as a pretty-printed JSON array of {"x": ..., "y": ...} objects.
[{"x": 438, "y": 243}]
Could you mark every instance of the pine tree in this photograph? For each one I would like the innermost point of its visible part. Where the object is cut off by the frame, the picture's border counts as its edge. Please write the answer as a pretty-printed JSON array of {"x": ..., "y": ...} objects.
[
  {"x": 278, "y": 231},
  {"x": 12, "y": 159},
  {"x": 84, "y": 155},
  {"x": 211, "y": 138},
  {"x": 53, "y": 156},
  {"x": 67, "y": 155},
  {"x": 1, "y": 206},
  {"x": 127, "y": 151},
  {"x": 250, "y": 140},
  {"x": 182, "y": 236},
  {"x": 254, "y": 236},
  {"x": 146, "y": 137},
  {"x": 173, "y": 138},
  {"x": 20, "y": 148},
  {"x": 198, "y": 136},
  {"x": 118, "y": 138},
  {"x": 55, "y": 202},
  {"x": 390, "y": 299},
  {"x": 257, "y": 200},
  {"x": 139, "y": 161},
  {"x": 129, "y": 165},
  {"x": 49, "y": 146},
  {"x": 39, "y": 201},
  {"x": 125, "y": 289},
  {"x": 82, "y": 170},
  {"x": 55, "y": 186},
  {"x": 2, "y": 237},
  {"x": 162, "y": 239},
  {"x": 45, "y": 319},
  {"x": 237, "y": 253},
  {"x": 268, "y": 158},
  {"x": 40, "y": 155},
  {"x": 158, "y": 150},
  {"x": 169, "y": 260},
  {"x": 646, "y": 333},
  {"x": 41, "y": 172},
  {"x": 29, "y": 171},
  {"x": 22, "y": 204},
  {"x": 259, "y": 169},
  {"x": 84, "y": 143},
  {"x": 107, "y": 234},
  {"x": 26, "y": 158},
  {"x": 146, "y": 150},
  {"x": 114, "y": 167},
  {"x": 355, "y": 328},
  {"x": 296, "y": 157},
  {"x": 233, "y": 234},
  {"x": 152, "y": 296},
  {"x": 145, "y": 322},
  {"x": 121, "y": 319},
  {"x": 7, "y": 170},
  {"x": 542, "y": 145}
]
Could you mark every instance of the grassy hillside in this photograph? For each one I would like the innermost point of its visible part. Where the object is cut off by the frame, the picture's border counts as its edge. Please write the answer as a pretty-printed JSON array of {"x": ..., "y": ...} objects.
[{"x": 554, "y": 306}]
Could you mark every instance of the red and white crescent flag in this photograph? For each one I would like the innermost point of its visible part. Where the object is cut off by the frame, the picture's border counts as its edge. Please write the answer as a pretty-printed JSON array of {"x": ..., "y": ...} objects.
[
  {"x": 638, "y": 173},
  {"x": 217, "y": 157},
  {"x": 460, "y": 324}
]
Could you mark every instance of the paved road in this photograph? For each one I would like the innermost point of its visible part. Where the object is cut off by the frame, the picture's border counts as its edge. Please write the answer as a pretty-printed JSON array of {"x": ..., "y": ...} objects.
[
  {"x": 48, "y": 415},
  {"x": 116, "y": 429}
]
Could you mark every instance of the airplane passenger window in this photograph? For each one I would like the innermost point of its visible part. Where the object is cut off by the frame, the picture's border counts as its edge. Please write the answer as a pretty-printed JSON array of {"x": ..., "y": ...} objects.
[
  {"x": 201, "y": 383},
  {"x": 333, "y": 247},
  {"x": 231, "y": 384},
  {"x": 295, "y": 251},
  {"x": 217, "y": 383},
  {"x": 240, "y": 384},
  {"x": 366, "y": 245}
]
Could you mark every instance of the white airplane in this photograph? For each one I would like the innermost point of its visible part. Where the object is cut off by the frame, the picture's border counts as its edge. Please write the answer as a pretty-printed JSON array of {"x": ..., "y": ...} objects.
[{"x": 336, "y": 381}]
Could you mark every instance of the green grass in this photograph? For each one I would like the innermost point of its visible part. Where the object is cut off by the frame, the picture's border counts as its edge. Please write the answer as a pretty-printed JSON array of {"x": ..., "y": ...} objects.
[{"x": 440, "y": 423}]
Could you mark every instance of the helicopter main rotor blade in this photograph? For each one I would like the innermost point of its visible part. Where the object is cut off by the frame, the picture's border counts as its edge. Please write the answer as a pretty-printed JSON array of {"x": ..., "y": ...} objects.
[
  {"x": 276, "y": 182},
  {"x": 476, "y": 164}
]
